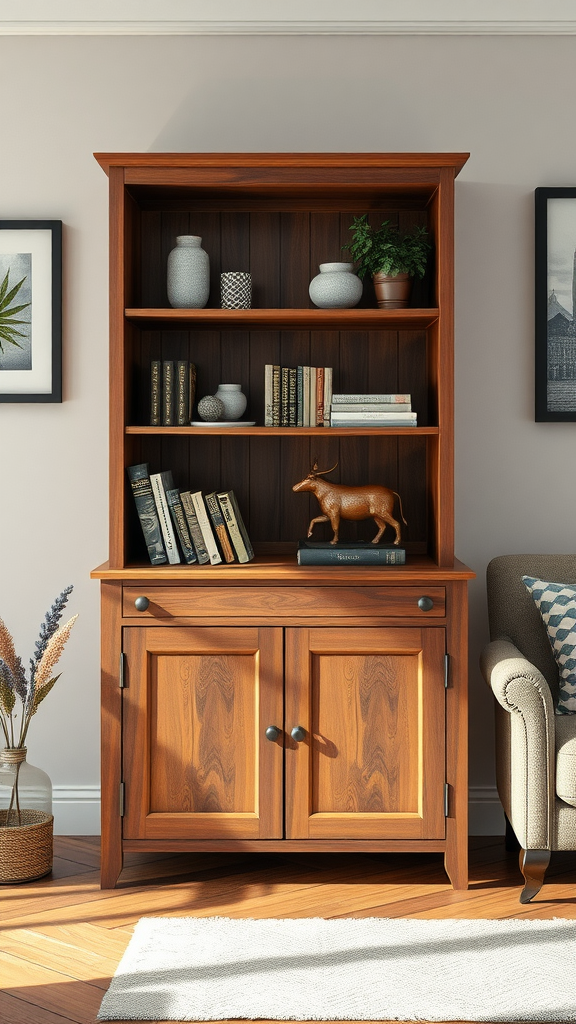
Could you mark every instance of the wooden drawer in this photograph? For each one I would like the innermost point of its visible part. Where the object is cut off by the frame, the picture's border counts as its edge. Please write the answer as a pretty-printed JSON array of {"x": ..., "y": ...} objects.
[{"x": 234, "y": 602}]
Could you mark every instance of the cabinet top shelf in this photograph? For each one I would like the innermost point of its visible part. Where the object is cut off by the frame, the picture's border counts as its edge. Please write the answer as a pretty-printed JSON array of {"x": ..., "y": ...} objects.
[{"x": 309, "y": 319}]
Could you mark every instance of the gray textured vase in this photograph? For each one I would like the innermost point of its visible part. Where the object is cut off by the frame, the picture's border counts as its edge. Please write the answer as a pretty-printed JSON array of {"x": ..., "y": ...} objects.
[
  {"x": 336, "y": 287},
  {"x": 188, "y": 274},
  {"x": 233, "y": 400}
]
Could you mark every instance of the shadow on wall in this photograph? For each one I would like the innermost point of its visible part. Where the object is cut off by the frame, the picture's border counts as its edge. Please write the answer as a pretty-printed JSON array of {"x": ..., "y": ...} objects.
[{"x": 290, "y": 114}]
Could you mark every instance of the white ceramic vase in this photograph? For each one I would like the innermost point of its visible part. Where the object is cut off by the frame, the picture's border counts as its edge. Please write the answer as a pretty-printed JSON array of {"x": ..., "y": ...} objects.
[
  {"x": 233, "y": 400},
  {"x": 336, "y": 287},
  {"x": 188, "y": 274}
]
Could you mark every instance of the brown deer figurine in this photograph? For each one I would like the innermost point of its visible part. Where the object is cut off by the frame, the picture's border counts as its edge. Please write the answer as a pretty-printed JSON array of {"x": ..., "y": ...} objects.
[{"x": 339, "y": 501}]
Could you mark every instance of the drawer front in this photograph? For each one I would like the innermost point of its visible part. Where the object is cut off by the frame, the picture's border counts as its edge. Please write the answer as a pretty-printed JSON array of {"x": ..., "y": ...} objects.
[{"x": 236, "y": 602}]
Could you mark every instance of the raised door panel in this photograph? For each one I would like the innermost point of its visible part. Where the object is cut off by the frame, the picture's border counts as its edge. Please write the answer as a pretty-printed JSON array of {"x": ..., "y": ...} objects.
[
  {"x": 371, "y": 764},
  {"x": 196, "y": 708}
]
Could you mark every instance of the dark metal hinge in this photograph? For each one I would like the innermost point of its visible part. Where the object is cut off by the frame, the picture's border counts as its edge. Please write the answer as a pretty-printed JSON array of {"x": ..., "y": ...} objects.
[
  {"x": 446, "y": 798},
  {"x": 121, "y": 679},
  {"x": 446, "y": 670},
  {"x": 122, "y": 798}
]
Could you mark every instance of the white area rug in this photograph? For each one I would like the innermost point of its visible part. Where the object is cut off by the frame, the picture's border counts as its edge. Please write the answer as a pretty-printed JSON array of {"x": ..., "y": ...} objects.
[{"x": 370, "y": 969}]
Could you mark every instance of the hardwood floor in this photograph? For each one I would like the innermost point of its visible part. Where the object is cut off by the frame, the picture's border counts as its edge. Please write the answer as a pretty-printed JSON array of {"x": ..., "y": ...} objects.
[{"x": 62, "y": 937}]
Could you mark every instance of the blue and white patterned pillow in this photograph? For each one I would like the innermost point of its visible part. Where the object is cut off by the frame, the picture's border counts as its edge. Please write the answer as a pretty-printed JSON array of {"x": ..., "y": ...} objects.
[{"x": 556, "y": 603}]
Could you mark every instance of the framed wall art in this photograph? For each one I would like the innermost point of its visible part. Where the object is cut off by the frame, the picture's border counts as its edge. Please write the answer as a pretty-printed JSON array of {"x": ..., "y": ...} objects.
[
  {"x": 30, "y": 311},
  {"x": 555, "y": 304}
]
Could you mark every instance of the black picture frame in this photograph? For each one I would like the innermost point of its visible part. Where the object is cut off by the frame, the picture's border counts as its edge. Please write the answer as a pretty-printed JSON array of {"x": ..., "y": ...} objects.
[
  {"x": 32, "y": 370},
  {"x": 555, "y": 325}
]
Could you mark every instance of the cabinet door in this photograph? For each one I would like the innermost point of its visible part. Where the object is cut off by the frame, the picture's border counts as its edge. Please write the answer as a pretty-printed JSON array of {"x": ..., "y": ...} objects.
[
  {"x": 371, "y": 763},
  {"x": 197, "y": 764}
]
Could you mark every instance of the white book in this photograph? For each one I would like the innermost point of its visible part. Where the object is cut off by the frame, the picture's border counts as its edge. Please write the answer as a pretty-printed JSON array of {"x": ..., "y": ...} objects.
[
  {"x": 160, "y": 483},
  {"x": 206, "y": 528},
  {"x": 355, "y": 407},
  {"x": 268, "y": 416},
  {"x": 312, "y": 410},
  {"x": 339, "y": 399},
  {"x": 327, "y": 394},
  {"x": 368, "y": 417},
  {"x": 306, "y": 396}
]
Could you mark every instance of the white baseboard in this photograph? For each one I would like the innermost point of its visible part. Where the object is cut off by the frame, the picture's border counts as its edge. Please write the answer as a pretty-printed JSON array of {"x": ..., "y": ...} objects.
[{"x": 77, "y": 811}]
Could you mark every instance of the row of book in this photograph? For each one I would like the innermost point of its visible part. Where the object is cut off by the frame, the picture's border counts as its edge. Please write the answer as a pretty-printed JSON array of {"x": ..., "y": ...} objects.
[
  {"x": 356, "y": 410},
  {"x": 297, "y": 396},
  {"x": 187, "y": 526},
  {"x": 172, "y": 392}
]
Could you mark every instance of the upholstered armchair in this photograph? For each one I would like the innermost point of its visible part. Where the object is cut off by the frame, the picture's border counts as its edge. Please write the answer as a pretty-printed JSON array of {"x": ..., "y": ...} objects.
[{"x": 535, "y": 748}]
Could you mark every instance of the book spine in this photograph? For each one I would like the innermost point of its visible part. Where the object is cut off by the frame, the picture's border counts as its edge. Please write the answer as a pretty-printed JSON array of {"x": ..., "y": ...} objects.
[
  {"x": 276, "y": 403},
  {"x": 299, "y": 396},
  {"x": 292, "y": 411},
  {"x": 327, "y": 394},
  {"x": 369, "y": 417},
  {"x": 319, "y": 420},
  {"x": 268, "y": 408},
  {"x": 158, "y": 490},
  {"x": 181, "y": 525},
  {"x": 312, "y": 399},
  {"x": 354, "y": 399},
  {"x": 244, "y": 553},
  {"x": 191, "y": 388},
  {"x": 147, "y": 514},
  {"x": 219, "y": 527},
  {"x": 182, "y": 393},
  {"x": 284, "y": 396},
  {"x": 155, "y": 393},
  {"x": 194, "y": 528},
  {"x": 204, "y": 524},
  {"x": 350, "y": 557},
  {"x": 168, "y": 393},
  {"x": 371, "y": 407},
  {"x": 305, "y": 396}
]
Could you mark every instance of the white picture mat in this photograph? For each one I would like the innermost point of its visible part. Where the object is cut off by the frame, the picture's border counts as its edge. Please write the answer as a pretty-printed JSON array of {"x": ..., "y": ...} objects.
[
  {"x": 561, "y": 246},
  {"x": 38, "y": 380}
]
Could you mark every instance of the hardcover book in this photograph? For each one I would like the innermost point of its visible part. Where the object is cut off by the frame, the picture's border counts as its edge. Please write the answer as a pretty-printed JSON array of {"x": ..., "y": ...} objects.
[
  {"x": 327, "y": 394},
  {"x": 194, "y": 528},
  {"x": 206, "y": 528},
  {"x": 183, "y": 412},
  {"x": 312, "y": 399},
  {"x": 147, "y": 514},
  {"x": 235, "y": 524},
  {"x": 181, "y": 525},
  {"x": 305, "y": 396},
  {"x": 338, "y": 399},
  {"x": 356, "y": 407},
  {"x": 300, "y": 396},
  {"x": 276, "y": 399},
  {"x": 284, "y": 396},
  {"x": 268, "y": 401},
  {"x": 168, "y": 393},
  {"x": 319, "y": 420},
  {"x": 292, "y": 411},
  {"x": 375, "y": 419},
  {"x": 161, "y": 482},
  {"x": 219, "y": 526},
  {"x": 356, "y": 553},
  {"x": 155, "y": 393}
]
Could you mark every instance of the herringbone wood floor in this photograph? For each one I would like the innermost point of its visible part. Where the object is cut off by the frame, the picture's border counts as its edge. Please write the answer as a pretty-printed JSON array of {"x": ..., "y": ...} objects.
[{"x": 62, "y": 937}]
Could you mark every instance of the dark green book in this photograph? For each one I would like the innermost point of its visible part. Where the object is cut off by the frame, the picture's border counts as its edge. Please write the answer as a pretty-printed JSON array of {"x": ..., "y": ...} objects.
[
  {"x": 168, "y": 393},
  {"x": 183, "y": 414},
  {"x": 146, "y": 509},
  {"x": 155, "y": 393},
  {"x": 356, "y": 553}
]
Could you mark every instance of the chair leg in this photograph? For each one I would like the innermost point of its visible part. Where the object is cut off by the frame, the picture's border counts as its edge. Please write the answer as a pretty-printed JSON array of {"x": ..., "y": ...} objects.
[
  {"x": 533, "y": 864},
  {"x": 511, "y": 844}
]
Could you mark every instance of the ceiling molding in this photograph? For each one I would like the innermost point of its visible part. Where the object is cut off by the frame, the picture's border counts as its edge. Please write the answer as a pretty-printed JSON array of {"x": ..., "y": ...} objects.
[{"x": 276, "y": 17}]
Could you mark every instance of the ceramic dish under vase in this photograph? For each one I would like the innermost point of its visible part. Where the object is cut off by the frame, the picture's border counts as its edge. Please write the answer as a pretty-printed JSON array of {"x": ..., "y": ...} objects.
[{"x": 223, "y": 423}]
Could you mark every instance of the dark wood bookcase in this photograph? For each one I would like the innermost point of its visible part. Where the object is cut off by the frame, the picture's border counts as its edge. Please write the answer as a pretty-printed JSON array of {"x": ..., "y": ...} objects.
[{"x": 220, "y": 648}]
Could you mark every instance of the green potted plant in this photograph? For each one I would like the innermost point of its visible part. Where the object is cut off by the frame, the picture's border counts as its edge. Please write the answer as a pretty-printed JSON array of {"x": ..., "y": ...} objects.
[{"x": 392, "y": 258}]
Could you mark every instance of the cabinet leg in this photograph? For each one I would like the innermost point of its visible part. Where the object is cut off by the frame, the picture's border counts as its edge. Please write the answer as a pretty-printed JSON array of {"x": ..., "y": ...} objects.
[
  {"x": 533, "y": 864},
  {"x": 456, "y": 855},
  {"x": 111, "y": 863}
]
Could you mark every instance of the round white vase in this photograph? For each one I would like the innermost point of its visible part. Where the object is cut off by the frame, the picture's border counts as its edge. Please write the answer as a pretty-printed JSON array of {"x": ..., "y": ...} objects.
[
  {"x": 336, "y": 287},
  {"x": 188, "y": 274},
  {"x": 233, "y": 400}
]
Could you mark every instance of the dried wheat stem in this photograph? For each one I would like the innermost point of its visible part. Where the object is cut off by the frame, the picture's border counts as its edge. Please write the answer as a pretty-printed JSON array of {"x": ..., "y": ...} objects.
[
  {"x": 52, "y": 654},
  {"x": 7, "y": 652}
]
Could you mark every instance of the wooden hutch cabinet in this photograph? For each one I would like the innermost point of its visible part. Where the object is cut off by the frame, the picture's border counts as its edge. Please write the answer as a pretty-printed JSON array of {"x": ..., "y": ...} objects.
[{"x": 271, "y": 706}]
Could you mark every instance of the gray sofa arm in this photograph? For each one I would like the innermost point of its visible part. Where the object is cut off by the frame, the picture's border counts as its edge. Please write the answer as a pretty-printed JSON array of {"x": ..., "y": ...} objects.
[{"x": 525, "y": 742}]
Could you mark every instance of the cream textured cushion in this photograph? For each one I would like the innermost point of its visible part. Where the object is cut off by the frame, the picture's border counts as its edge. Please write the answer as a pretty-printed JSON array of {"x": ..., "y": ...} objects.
[
  {"x": 566, "y": 759},
  {"x": 556, "y": 603}
]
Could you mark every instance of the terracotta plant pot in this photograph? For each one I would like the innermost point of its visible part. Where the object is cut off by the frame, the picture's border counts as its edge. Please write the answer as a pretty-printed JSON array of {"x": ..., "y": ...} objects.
[{"x": 392, "y": 292}]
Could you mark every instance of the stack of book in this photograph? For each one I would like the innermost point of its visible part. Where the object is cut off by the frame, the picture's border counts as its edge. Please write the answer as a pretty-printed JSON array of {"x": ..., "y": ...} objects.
[
  {"x": 187, "y": 526},
  {"x": 172, "y": 391},
  {"x": 297, "y": 396},
  {"x": 372, "y": 411},
  {"x": 319, "y": 552}
]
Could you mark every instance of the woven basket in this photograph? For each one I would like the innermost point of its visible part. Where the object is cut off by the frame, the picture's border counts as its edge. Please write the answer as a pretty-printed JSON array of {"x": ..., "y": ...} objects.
[{"x": 25, "y": 849}]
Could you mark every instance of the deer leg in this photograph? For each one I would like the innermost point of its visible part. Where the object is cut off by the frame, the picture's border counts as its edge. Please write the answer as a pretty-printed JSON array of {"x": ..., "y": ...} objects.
[
  {"x": 319, "y": 519},
  {"x": 335, "y": 523}
]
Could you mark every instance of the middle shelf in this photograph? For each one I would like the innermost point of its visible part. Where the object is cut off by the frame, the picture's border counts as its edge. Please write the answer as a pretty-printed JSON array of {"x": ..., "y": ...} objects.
[{"x": 286, "y": 431}]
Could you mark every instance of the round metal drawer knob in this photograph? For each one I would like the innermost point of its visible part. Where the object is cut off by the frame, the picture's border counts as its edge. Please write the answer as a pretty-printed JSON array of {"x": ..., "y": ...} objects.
[
  {"x": 272, "y": 733},
  {"x": 141, "y": 604},
  {"x": 425, "y": 604},
  {"x": 298, "y": 733}
]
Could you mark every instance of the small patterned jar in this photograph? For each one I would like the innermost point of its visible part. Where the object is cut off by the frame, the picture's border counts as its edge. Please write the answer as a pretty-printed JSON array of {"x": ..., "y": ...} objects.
[
  {"x": 336, "y": 287},
  {"x": 236, "y": 290}
]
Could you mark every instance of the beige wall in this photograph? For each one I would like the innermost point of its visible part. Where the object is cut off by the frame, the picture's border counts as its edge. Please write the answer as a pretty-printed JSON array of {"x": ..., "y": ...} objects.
[{"x": 509, "y": 101}]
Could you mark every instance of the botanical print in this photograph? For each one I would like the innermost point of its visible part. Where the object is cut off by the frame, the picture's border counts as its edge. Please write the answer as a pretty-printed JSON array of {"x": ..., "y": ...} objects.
[
  {"x": 561, "y": 324},
  {"x": 15, "y": 311}
]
